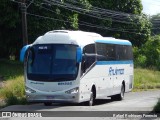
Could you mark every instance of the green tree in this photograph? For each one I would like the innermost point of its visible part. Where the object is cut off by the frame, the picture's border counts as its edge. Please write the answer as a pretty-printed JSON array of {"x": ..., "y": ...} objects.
[
  {"x": 10, "y": 29},
  {"x": 46, "y": 17},
  {"x": 152, "y": 52},
  {"x": 149, "y": 54},
  {"x": 43, "y": 16},
  {"x": 134, "y": 27}
]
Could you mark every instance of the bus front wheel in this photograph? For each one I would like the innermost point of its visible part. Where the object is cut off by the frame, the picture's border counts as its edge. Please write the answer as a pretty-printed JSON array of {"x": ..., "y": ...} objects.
[{"x": 92, "y": 98}]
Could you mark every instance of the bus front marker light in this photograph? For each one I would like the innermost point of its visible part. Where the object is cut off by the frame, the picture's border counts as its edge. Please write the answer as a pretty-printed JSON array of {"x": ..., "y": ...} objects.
[{"x": 72, "y": 91}]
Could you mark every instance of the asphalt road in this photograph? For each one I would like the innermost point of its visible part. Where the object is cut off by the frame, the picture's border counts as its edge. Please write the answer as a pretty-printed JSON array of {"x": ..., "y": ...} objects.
[{"x": 133, "y": 101}]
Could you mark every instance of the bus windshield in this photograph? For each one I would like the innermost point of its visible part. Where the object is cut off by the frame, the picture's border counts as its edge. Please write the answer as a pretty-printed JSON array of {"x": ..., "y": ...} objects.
[{"x": 52, "y": 62}]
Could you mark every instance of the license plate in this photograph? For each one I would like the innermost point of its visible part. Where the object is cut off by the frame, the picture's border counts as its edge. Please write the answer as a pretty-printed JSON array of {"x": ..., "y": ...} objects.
[{"x": 50, "y": 97}]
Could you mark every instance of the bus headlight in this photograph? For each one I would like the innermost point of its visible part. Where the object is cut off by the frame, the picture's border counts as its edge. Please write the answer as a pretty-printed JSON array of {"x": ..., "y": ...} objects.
[
  {"x": 73, "y": 91},
  {"x": 29, "y": 90}
]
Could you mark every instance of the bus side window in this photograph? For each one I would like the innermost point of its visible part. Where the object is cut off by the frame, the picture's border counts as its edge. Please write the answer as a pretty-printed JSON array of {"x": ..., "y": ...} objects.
[
  {"x": 89, "y": 57},
  {"x": 106, "y": 52},
  {"x": 124, "y": 52}
]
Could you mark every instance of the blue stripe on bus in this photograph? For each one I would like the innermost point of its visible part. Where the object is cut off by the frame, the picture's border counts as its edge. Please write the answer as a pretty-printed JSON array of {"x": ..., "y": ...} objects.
[
  {"x": 119, "y": 42},
  {"x": 114, "y": 62}
]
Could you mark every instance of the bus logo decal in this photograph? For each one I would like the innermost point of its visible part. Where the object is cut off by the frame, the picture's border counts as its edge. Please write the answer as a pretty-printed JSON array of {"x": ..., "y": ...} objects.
[{"x": 116, "y": 71}]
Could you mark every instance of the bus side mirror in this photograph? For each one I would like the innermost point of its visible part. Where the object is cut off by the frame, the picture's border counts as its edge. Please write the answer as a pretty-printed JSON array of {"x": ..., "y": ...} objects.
[
  {"x": 23, "y": 52},
  {"x": 78, "y": 55}
]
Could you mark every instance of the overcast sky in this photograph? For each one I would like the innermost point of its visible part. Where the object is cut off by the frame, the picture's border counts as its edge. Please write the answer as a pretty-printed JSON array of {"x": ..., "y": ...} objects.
[{"x": 151, "y": 7}]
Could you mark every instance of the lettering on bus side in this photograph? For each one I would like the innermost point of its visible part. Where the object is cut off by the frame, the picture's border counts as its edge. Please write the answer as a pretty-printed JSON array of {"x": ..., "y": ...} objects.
[{"x": 116, "y": 71}]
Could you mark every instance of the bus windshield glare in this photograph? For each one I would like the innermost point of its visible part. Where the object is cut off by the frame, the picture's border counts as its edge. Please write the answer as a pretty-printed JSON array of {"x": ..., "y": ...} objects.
[{"x": 52, "y": 62}]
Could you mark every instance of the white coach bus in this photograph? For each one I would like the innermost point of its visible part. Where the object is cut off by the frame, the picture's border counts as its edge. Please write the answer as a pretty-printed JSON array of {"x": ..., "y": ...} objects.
[{"x": 76, "y": 66}]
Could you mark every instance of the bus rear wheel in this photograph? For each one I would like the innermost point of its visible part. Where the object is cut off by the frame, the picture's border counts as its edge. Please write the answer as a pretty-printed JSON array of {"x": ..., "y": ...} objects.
[
  {"x": 48, "y": 103},
  {"x": 121, "y": 95}
]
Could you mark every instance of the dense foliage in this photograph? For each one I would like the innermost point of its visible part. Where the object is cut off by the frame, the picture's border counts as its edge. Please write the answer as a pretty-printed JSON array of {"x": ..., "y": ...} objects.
[
  {"x": 39, "y": 21},
  {"x": 128, "y": 24},
  {"x": 149, "y": 54},
  {"x": 111, "y": 18},
  {"x": 10, "y": 29}
]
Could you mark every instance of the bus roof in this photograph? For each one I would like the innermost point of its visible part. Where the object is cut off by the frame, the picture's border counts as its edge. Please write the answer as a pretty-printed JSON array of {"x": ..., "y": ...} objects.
[
  {"x": 113, "y": 41},
  {"x": 80, "y": 38}
]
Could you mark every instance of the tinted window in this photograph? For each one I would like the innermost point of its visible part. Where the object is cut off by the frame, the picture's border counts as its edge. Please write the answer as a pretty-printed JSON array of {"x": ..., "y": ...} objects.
[
  {"x": 106, "y": 52},
  {"x": 111, "y": 52},
  {"x": 124, "y": 52},
  {"x": 52, "y": 62},
  {"x": 89, "y": 57},
  {"x": 89, "y": 49}
]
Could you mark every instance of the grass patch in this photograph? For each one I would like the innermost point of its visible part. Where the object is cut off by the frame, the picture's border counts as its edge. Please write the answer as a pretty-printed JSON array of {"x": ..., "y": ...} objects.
[
  {"x": 145, "y": 79},
  {"x": 157, "y": 107},
  {"x": 13, "y": 91}
]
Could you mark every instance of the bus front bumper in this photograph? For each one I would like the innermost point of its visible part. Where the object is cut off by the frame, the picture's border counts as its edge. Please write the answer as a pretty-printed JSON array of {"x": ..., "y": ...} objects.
[{"x": 52, "y": 97}]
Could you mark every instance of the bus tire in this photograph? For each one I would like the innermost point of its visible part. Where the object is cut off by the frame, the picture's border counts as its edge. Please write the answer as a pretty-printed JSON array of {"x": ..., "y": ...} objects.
[
  {"x": 92, "y": 98},
  {"x": 119, "y": 96},
  {"x": 48, "y": 103}
]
